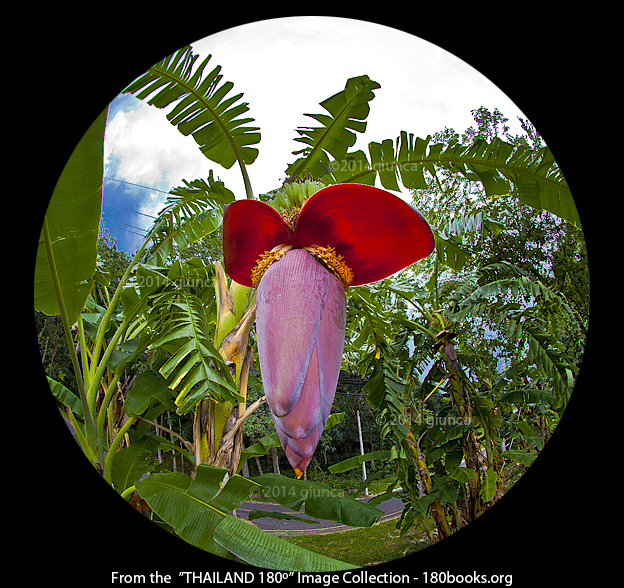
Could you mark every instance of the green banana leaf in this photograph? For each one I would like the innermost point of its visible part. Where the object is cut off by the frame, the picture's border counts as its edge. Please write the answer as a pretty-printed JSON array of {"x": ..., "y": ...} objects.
[
  {"x": 498, "y": 165},
  {"x": 358, "y": 460},
  {"x": 263, "y": 549},
  {"x": 198, "y": 512},
  {"x": 146, "y": 390},
  {"x": 65, "y": 396},
  {"x": 72, "y": 221},
  {"x": 203, "y": 108},
  {"x": 348, "y": 110}
]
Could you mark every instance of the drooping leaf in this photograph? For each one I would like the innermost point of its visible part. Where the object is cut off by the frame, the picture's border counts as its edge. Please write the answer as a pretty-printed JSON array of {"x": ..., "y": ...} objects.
[
  {"x": 259, "y": 548},
  {"x": 358, "y": 460},
  {"x": 197, "y": 509},
  {"x": 281, "y": 516},
  {"x": 498, "y": 165},
  {"x": 463, "y": 474},
  {"x": 525, "y": 457},
  {"x": 131, "y": 462},
  {"x": 488, "y": 487},
  {"x": 146, "y": 389},
  {"x": 447, "y": 493},
  {"x": 73, "y": 219},
  {"x": 203, "y": 107},
  {"x": 126, "y": 351},
  {"x": 450, "y": 252},
  {"x": 65, "y": 396}
]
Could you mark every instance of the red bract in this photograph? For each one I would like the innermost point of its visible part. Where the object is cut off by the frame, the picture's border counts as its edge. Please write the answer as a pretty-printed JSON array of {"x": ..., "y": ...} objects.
[
  {"x": 376, "y": 232},
  {"x": 346, "y": 234}
]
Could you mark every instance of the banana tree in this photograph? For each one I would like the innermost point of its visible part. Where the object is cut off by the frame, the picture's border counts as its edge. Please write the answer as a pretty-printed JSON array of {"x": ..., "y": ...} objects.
[
  {"x": 460, "y": 427},
  {"x": 295, "y": 259},
  {"x": 173, "y": 313}
]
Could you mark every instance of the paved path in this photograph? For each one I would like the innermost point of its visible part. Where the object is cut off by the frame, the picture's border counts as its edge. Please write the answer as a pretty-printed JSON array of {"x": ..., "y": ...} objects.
[{"x": 392, "y": 509}]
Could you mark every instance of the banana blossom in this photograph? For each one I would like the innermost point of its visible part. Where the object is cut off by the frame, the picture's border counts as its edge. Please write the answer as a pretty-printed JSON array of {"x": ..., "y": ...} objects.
[{"x": 302, "y": 261}]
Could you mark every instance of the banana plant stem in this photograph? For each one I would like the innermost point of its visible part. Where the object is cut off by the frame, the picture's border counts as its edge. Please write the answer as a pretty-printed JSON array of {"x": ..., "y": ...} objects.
[
  {"x": 248, "y": 189},
  {"x": 99, "y": 340},
  {"x": 128, "y": 492},
  {"x": 110, "y": 456},
  {"x": 104, "y": 407}
]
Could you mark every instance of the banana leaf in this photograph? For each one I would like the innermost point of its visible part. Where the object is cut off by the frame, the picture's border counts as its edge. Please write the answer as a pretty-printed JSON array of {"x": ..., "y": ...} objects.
[
  {"x": 347, "y": 110},
  {"x": 532, "y": 175},
  {"x": 72, "y": 221},
  {"x": 198, "y": 511},
  {"x": 204, "y": 109}
]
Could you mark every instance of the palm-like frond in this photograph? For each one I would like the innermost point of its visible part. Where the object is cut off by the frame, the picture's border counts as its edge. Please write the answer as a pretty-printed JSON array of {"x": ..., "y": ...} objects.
[
  {"x": 194, "y": 369},
  {"x": 191, "y": 212},
  {"x": 203, "y": 110},
  {"x": 347, "y": 110},
  {"x": 498, "y": 165}
]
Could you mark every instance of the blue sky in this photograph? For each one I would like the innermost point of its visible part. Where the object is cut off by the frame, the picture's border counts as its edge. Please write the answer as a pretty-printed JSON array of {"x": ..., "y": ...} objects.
[{"x": 285, "y": 67}]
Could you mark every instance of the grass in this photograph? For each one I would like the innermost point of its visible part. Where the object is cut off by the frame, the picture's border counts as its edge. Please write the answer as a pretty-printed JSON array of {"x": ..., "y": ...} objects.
[{"x": 367, "y": 546}]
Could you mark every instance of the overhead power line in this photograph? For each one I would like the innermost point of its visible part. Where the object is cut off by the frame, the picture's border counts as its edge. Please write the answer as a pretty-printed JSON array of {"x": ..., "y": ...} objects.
[
  {"x": 108, "y": 222},
  {"x": 126, "y": 224},
  {"x": 137, "y": 185},
  {"x": 130, "y": 210}
]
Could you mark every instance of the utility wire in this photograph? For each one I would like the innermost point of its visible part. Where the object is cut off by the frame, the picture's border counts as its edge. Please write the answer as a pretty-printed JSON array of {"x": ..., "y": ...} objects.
[
  {"x": 126, "y": 224},
  {"x": 137, "y": 185},
  {"x": 129, "y": 210},
  {"x": 121, "y": 228}
]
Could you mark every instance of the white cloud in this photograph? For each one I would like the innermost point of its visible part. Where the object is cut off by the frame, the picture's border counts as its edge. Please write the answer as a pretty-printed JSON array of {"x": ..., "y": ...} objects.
[{"x": 152, "y": 152}]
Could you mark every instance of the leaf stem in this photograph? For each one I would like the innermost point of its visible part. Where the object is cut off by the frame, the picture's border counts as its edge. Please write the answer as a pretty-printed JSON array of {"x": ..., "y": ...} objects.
[
  {"x": 97, "y": 373},
  {"x": 243, "y": 168},
  {"x": 83, "y": 353},
  {"x": 128, "y": 491},
  {"x": 110, "y": 456},
  {"x": 104, "y": 407}
]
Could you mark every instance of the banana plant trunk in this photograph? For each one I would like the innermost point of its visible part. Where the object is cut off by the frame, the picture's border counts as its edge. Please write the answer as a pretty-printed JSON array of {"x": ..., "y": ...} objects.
[
  {"x": 218, "y": 426},
  {"x": 471, "y": 445},
  {"x": 437, "y": 510}
]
